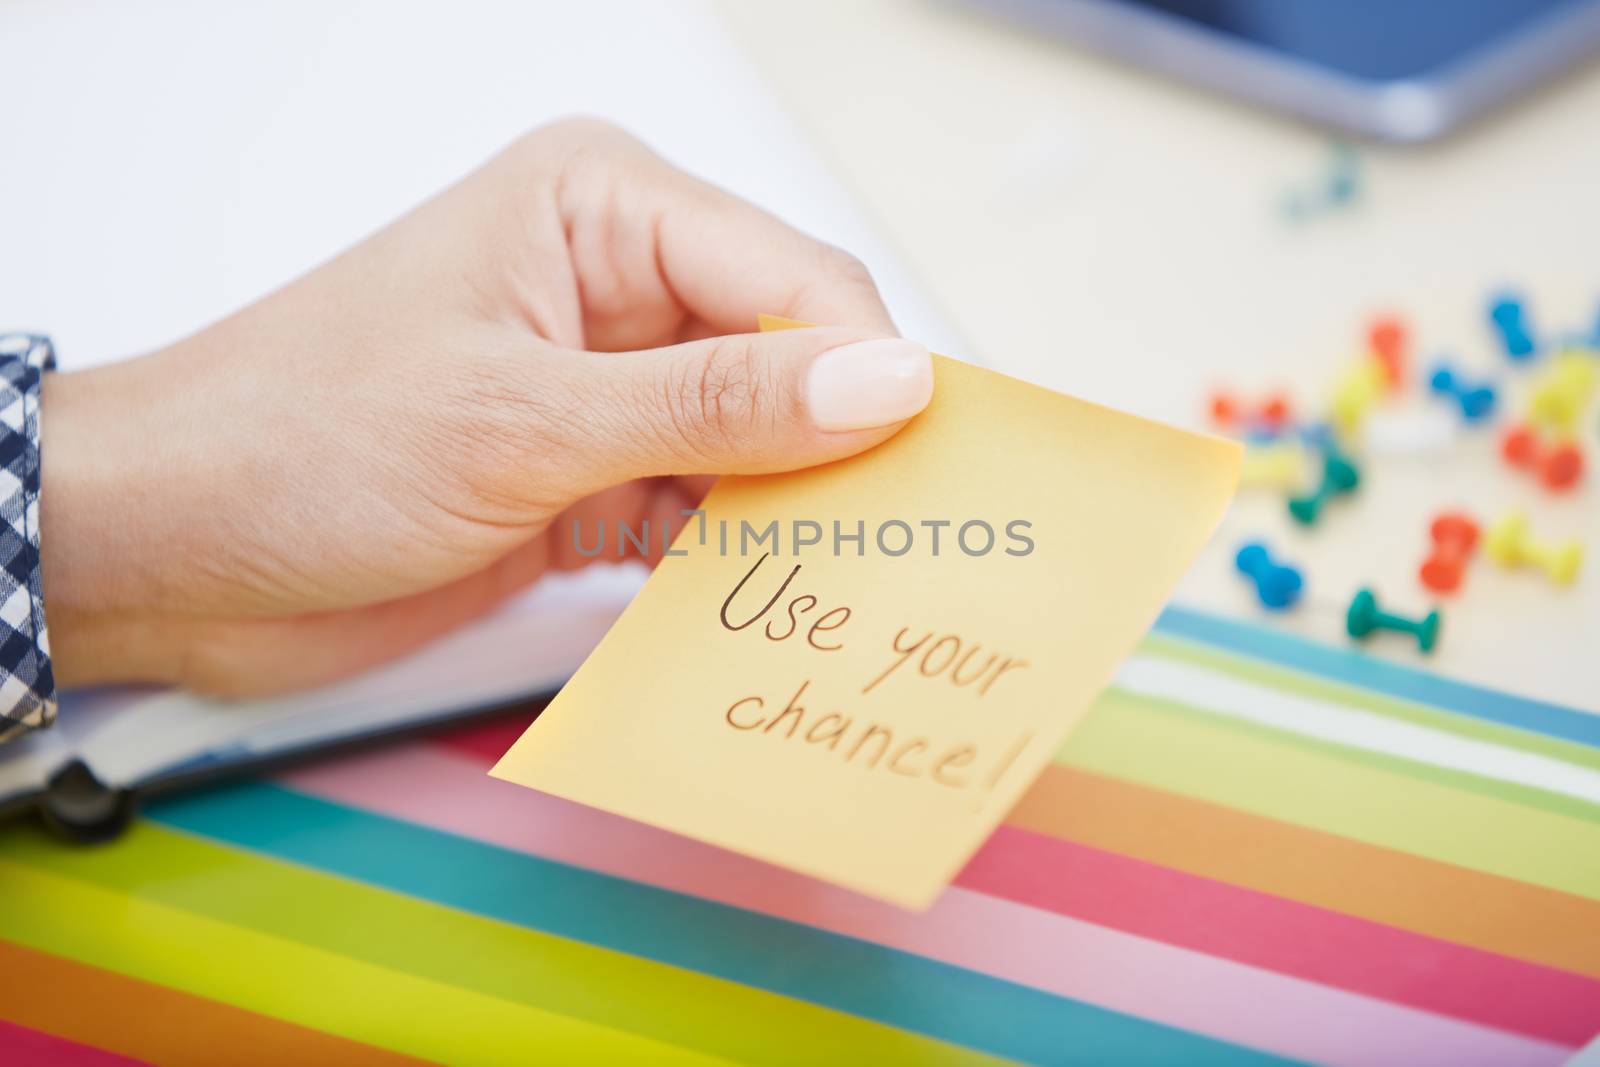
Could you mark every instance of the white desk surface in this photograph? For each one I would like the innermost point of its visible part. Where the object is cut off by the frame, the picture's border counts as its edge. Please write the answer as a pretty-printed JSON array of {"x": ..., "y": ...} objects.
[{"x": 1118, "y": 236}]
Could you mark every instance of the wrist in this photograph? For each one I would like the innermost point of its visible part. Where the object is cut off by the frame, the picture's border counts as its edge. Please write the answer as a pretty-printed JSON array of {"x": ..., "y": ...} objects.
[{"x": 96, "y": 460}]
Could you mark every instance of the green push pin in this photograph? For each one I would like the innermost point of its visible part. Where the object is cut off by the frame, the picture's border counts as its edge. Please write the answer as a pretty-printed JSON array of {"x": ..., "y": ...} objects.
[
  {"x": 1339, "y": 476},
  {"x": 1364, "y": 617}
]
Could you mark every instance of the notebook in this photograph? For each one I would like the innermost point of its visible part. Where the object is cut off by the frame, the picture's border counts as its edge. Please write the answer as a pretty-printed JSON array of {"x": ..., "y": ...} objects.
[{"x": 107, "y": 744}]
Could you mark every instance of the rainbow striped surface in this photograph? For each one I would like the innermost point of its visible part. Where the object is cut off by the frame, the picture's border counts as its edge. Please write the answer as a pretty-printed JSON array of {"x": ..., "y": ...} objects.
[{"x": 1254, "y": 850}]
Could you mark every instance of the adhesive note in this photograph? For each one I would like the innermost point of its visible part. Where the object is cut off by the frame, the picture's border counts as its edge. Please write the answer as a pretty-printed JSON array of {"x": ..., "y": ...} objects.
[{"x": 855, "y": 670}]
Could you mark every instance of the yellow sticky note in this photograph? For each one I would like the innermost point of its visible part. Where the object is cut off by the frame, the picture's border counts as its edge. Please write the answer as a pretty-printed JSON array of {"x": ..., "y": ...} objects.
[{"x": 855, "y": 670}]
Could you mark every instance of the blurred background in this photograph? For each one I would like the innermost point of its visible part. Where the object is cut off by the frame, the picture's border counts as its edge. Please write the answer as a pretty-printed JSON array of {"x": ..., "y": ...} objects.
[{"x": 1138, "y": 220}]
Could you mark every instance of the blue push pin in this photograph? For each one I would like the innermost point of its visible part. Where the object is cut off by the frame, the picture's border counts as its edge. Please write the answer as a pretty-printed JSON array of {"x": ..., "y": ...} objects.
[
  {"x": 1477, "y": 401},
  {"x": 1511, "y": 319},
  {"x": 1318, "y": 435},
  {"x": 1277, "y": 586}
]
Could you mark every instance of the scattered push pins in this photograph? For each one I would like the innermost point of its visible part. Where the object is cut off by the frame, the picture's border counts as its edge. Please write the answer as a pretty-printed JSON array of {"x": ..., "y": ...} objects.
[
  {"x": 1277, "y": 585},
  {"x": 1365, "y": 618},
  {"x": 1509, "y": 317},
  {"x": 1271, "y": 413},
  {"x": 1557, "y": 464},
  {"x": 1387, "y": 339},
  {"x": 1455, "y": 537},
  {"x": 1509, "y": 544},
  {"x": 1339, "y": 477},
  {"x": 1476, "y": 401},
  {"x": 1315, "y": 462}
]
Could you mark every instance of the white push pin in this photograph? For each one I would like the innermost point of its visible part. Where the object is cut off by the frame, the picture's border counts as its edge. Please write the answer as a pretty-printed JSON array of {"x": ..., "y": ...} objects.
[{"x": 1410, "y": 431}]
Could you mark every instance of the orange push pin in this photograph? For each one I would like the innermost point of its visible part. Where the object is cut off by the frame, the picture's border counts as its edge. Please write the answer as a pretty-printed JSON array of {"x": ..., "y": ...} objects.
[
  {"x": 1559, "y": 465},
  {"x": 1387, "y": 338},
  {"x": 1455, "y": 536},
  {"x": 1510, "y": 544},
  {"x": 1272, "y": 412}
]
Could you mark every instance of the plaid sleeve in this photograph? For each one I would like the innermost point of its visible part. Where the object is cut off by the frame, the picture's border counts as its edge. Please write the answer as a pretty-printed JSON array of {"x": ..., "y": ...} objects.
[{"x": 27, "y": 685}]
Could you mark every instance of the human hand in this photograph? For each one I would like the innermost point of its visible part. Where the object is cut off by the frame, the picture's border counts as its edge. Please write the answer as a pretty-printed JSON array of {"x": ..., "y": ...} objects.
[{"x": 378, "y": 452}]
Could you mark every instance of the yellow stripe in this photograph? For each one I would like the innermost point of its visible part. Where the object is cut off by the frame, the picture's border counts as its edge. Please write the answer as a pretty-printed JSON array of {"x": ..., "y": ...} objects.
[
  {"x": 357, "y": 921},
  {"x": 303, "y": 985}
]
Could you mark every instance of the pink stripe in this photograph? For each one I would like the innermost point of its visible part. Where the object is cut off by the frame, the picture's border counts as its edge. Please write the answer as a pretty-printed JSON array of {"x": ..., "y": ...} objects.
[
  {"x": 20, "y": 1044},
  {"x": 1244, "y": 925},
  {"x": 1286, "y": 936},
  {"x": 449, "y": 791}
]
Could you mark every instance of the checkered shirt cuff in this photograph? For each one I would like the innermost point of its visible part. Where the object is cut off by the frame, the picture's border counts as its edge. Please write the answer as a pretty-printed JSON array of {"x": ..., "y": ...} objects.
[{"x": 27, "y": 685}]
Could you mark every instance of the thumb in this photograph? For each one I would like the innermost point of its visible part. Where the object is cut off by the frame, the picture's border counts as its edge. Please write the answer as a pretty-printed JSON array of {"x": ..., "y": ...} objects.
[{"x": 754, "y": 403}]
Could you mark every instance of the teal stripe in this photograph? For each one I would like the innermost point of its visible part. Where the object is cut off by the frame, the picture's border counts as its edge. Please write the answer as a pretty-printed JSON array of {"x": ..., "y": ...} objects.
[
  {"x": 883, "y": 984},
  {"x": 1380, "y": 676}
]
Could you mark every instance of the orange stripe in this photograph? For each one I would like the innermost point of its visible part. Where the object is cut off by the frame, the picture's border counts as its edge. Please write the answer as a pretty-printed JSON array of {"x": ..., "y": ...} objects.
[
  {"x": 119, "y": 1014},
  {"x": 1425, "y": 896}
]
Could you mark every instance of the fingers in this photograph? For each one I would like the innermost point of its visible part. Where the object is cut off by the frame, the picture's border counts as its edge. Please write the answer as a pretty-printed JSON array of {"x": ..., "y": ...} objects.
[
  {"x": 238, "y": 658},
  {"x": 742, "y": 404},
  {"x": 661, "y": 255},
  {"x": 729, "y": 261}
]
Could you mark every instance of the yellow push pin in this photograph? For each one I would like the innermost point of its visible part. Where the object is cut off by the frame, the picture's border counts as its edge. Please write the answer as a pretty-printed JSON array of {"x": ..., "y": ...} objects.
[
  {"x": 1563, "y": 390},
  {"x": 1510, "y": 544},
  {"x": 1275, "y": 466},
  {"x": 1355, "y": 393}
]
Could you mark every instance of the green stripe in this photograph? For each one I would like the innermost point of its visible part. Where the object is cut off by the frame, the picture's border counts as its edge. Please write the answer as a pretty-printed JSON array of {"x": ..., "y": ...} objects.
[
  {"x": 1136, "y": 741},
  {"x": 1310, "y": 685},
  {"x": 320, "y": 990},
  {"x": 1484, "y": 785},
  {"x": 464, "y": 951}
]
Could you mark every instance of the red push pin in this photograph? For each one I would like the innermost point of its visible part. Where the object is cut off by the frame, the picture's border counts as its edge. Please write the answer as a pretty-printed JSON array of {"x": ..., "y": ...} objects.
[
  {"x": 1271, "y": 413},
  {"x": 1558, "y": 466},
  {"x": 1455, "y": 537},
  {"x": 1387, "y": 339}
]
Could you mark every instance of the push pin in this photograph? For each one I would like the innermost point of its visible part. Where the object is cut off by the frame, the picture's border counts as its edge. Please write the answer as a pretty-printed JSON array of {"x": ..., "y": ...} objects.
[
  {"x": 1562, "y": 391},
  {"x": 1558, "y": 465},
  {"x": 1476, "y": 401},
  {"x": 1272, "y": 413},
  {"x": 1338, "y": 187},
  {"x": 1410, "y": 431},
  {"x": 1355, "y": 393},
  {"x": 1276, "y": 466},
  {"x": 1510, "y": 318},
  {"x": 1277, "y": 586},
  {"x": 1339, "y": 476},
  {"x": 1387, "y": 337},
  {"x": 1455, "y": 536},
  {"x": 1318, "y": 435},
  {"x": 1510, "y": 544},
  {"x": 1364, "y": 618}
]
